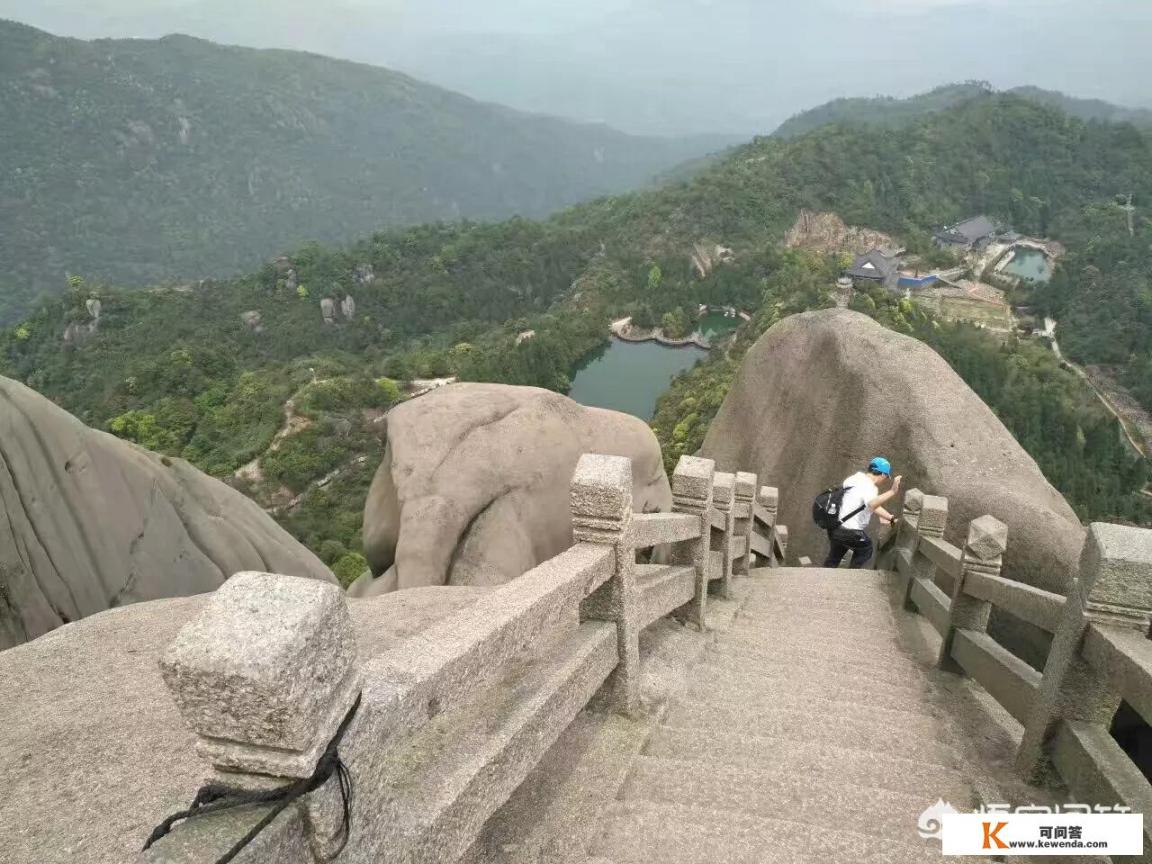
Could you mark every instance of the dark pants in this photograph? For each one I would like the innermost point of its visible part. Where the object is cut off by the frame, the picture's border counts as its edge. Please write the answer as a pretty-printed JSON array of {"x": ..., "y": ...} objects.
[{"x": 843, "y": 539}]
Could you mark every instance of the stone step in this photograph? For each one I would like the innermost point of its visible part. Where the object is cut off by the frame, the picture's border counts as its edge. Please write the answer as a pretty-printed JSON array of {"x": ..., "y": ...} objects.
[
  {"x": 792, "y": 606},
  {"x": 816, "y": 759},
  {"x": 863, "y": 728},
  {"x": 751, "y": 654},
  {"x": 816, "y": 579},
  {"x": 839, "y": 691},
  {"x": 845, "y": 646},
  {"x": 651, "y": 833},
  {"x": 760, "y": 789},
  {"x": 767, "y": 594},
  {"x": 848, "y": 634},
  {"x": 872, "y": 609}
]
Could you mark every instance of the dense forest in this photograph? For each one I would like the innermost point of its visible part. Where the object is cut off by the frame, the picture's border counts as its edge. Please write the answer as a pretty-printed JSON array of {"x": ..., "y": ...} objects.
[
  {"x": 891, "y": 112},
  {"x": 205, "y": 372},
  {"x": 142, "y": 161}
]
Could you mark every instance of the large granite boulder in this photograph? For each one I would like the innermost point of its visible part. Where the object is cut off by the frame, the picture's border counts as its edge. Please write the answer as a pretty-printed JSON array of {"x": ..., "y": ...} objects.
[
  {"x": 821, "y": 393},
  {"x": 93, "y": 750},
  {"x": 89, "y": 522},
  {"x": 474, "y": 486}
]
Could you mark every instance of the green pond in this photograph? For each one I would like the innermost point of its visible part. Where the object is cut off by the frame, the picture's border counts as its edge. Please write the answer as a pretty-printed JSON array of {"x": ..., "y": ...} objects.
[
  {"x": 1029, "y": 264},
  {"x": 716, "y": 325},
  {"x": 630, "y": 376}
]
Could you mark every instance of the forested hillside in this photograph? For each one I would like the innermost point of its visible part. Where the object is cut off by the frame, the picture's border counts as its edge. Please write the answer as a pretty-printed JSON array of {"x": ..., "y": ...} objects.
[
  {"x": 140, "y": 161},
  {"x": 887, "y": 111},
  {"x": 205, "y": 372}
]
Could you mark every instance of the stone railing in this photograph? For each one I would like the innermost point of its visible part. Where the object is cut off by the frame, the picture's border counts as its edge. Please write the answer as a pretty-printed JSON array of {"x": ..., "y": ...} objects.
[
  {"x": 437, "y": 732},
  {"x": 1100, "y": 652}
]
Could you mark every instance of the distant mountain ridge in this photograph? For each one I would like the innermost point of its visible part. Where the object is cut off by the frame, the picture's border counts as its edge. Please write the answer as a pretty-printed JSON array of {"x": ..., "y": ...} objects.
[
  {"x": 891, "y": 112},
  {"x": 141, "y": 161}
]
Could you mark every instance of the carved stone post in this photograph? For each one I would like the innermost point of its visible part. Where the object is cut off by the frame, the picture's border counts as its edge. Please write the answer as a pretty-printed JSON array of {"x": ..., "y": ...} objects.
[
  {"x": 602, "y": 513},
  {"x": 905, "y": 545},
  {"x": 264, "y": 676},
  {"x": 1114, "y": 587},
  {"x": 742, "y": 520},
  {"x": 983, "y": 553},
  {"x": 723, "y": 497},
  {"x": 692, "y": 493},
  {"x": 932, "y": 520},
  {"x": 782, "y": 542},
  {"x": 769, "y": 499}
]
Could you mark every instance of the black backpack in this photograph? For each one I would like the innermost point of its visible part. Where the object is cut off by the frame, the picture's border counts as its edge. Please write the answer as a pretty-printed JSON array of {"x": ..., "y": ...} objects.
[{"x": 826, "y": 508}]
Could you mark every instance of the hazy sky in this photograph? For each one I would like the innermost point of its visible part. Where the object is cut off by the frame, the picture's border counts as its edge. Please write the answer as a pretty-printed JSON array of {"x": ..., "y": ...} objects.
[{"x": 672, "y": 66}]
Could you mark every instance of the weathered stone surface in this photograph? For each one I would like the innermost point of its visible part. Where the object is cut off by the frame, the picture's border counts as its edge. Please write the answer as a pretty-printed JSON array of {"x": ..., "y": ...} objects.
[
  {"x": 89, "y": 522},
  {"x": 1116, "y": 567},
  {"x": 348, "y": 307},
  {"x": 823, "y": 392},
  {"x": 93, "y": 749},
  {"x": 474, "y": 486},
  {"x": 328, "y": 310},
  {"x": 270, "y": 663}
]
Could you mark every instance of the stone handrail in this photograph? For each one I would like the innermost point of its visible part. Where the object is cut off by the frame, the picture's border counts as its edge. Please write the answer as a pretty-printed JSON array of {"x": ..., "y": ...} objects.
[
  {"x": 442, "y": 728},
  {"x": 1100, "y": 654}
]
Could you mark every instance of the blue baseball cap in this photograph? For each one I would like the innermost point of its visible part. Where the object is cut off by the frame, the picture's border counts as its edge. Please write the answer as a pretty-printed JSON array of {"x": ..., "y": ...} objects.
[{"x": 880, "y": 465}]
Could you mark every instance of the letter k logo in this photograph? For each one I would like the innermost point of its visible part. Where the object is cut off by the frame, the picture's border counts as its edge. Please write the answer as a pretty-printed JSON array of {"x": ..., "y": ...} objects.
[{"x": 990, "y": 835}]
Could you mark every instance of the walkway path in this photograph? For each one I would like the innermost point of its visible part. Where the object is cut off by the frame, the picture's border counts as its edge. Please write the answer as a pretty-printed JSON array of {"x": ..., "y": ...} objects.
[{"x": 815, "y": 728}]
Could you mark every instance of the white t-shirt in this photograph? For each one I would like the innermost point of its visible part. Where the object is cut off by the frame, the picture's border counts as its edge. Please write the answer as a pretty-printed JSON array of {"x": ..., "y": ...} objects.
[{"x": 860, "y": 490}]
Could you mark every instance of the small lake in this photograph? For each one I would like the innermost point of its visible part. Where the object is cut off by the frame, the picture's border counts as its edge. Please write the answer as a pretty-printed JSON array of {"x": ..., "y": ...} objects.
[
  {"x": 716, "y": 325},
  {"x": 630, "y": 376},
  {"x": 1029, "y": 264}
]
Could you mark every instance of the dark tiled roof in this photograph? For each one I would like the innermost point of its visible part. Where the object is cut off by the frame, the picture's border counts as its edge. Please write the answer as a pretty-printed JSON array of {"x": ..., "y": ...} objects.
[
  {"x": 872, "y": 265},
  {"x": 969, "y": 231}
]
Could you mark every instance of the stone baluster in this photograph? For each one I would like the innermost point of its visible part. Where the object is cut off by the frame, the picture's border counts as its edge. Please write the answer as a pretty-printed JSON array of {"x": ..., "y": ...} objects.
[
  {"x": 782, "y": 542},
  {"x": 983, "y": 553},
  {"x": 742, "y": 518},
  {"x": 602, "y": 513},
  {"x": 769, "y": 499},
  {"x": 909, "y": 524},
  {"x": 692, "y": 493},
  {"x": 723, "y": 497},
  {"x": 265, "y": 675},
  {"x": 1114, "y": 587},
  {"x": 931, "y": 522}
]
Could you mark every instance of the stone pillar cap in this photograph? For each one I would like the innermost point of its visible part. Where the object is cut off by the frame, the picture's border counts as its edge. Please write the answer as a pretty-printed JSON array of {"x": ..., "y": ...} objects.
[
  {"x": 745, "y": 485},
  {"x": 723, "y": 487},
  {"x": 1116, "y": 567},
  {"x": 693, "y": 477},
  {"x": 265, "y": 672}
]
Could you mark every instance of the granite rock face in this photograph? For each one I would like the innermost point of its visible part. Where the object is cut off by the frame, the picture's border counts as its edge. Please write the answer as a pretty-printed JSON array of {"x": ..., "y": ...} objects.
[
  {"x": 823, "y": 392},
  {"x": 474, "y": 487},
  {"x": 89, "y": 522}
]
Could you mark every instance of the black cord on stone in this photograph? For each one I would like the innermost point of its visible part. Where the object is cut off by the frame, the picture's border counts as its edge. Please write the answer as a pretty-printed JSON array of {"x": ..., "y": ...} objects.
[{"x": 215, "y": 797}]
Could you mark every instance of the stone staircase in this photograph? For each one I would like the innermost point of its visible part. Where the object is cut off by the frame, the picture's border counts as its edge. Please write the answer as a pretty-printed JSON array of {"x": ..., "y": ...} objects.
[
  {"x": 819, "y": 736},
  {"x": 816, "y": 715}
]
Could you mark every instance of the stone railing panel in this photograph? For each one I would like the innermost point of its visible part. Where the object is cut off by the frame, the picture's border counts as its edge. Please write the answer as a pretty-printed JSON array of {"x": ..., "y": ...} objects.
[
  {"x": 452, "y": 660},
  {"x": 983, "y": 553},
  {"x": 692, "y": 496},
  {"x": 657, "y": 529},
  {"x": 1108, "y": 591}
]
